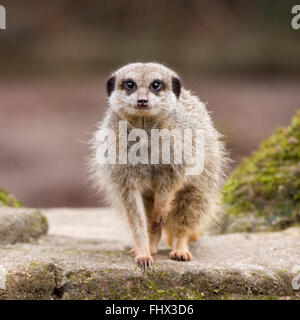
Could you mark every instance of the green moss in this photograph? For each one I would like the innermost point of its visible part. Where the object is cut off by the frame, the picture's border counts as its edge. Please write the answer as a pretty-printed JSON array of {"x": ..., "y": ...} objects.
[
  {"x": 266, "y": 186},
  {"x": 177, "y": 293},
  {"x": 249, "y": 297},
  {"x": 44, "y": 280},
  {"x": 8, "y": 200},
  {"x": 83, "y": 284},
  {"x": 36, "y": 281}
]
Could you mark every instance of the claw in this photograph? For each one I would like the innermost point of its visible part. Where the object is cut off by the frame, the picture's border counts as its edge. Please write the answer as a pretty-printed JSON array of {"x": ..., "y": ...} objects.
[
  {"x": 181, "y": 255},
  {"x": 145, "y": 262}
]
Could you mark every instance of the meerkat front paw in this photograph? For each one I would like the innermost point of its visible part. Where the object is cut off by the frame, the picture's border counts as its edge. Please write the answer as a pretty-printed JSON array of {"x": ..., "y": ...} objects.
[
  {"x": 181, "y": 255},
  {"x": 145, "y": 262}
]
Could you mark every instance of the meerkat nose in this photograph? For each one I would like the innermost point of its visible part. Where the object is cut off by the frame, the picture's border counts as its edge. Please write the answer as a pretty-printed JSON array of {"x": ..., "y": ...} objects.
[{"x": 142, "y": 102}]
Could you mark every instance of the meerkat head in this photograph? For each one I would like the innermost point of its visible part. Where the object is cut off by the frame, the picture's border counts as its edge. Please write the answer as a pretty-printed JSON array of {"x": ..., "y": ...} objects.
[{"x": 143, "y": 89}]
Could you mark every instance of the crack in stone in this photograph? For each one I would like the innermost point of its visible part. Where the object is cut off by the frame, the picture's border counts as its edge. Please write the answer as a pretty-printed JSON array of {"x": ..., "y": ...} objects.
[{"x": 59, "y": 286}]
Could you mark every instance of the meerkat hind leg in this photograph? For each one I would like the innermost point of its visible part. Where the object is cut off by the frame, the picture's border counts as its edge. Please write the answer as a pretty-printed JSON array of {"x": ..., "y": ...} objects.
[{"x": 180, "y": 249}]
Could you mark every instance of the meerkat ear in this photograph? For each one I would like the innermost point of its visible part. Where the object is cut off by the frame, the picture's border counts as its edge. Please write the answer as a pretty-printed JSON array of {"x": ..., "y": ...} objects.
[
  {"x": 176, "y": 86},
  {"x": 110, "y": 85}
]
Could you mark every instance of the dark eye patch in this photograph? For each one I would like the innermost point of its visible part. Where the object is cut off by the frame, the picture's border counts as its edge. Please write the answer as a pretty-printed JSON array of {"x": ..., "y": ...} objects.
[
  {"x": 110, "y": 85},
  {"x": 176, "y": 86},
  {"x": 129, "y": 85},
  {"x": 156, "y": 85}
]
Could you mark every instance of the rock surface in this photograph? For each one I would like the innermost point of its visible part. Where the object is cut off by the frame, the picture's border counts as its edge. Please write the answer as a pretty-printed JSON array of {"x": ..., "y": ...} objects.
[
  {"x": 86, "y": 256},
  {"x": 21, "y": 225}
]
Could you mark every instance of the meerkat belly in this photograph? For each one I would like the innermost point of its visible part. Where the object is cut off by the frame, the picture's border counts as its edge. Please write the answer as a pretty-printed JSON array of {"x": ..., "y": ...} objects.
[{"x": 144, "y": 173}]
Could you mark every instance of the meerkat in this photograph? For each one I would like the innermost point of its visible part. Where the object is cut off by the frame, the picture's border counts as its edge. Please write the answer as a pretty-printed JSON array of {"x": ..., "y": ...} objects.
[{"x": 159, "y": 197}]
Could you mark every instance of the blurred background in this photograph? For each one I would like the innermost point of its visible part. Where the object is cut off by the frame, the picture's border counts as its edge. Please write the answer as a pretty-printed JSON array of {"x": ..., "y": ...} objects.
[{"x": 242, "y": 57}]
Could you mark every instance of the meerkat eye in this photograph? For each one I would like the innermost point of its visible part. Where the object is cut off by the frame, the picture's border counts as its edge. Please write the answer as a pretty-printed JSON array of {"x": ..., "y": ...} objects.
[
  {"x": 156, "y": 85},
  {"x": 129, "y": 85}
]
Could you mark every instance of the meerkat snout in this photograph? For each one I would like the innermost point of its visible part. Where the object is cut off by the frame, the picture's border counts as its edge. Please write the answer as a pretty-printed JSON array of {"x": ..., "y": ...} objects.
[{"x": 142, "y": 102}]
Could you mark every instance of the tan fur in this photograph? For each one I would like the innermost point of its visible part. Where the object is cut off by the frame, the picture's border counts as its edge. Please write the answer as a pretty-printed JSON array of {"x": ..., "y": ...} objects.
[{"x": 161, "y": 197}]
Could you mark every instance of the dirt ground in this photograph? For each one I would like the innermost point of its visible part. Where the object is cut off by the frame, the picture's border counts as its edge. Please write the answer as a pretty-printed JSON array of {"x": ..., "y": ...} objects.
[{"x": 44, "y": 127}]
